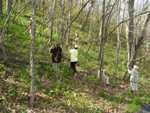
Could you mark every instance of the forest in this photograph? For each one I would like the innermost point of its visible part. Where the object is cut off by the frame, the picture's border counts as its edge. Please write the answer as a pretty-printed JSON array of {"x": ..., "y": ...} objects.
[{"x": 74, "y": 56}]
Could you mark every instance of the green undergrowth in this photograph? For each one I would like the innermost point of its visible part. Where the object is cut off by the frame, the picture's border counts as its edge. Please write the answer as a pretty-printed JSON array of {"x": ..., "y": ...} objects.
[
  {"x": 134, "y": 106},
  {"x": 66, "y": 93}
]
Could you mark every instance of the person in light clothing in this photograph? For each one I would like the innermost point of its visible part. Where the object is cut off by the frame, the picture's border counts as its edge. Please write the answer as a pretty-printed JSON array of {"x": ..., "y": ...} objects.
[
  {"x": 105, "y": 78},
  {"x": 74, "y": 58},
  {"x": 134, "y": 76}
]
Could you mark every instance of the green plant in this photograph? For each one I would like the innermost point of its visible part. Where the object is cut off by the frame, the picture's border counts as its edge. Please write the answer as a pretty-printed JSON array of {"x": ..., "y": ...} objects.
[
  {"x": 66, "y": 71},
  {"x": 134, "y": 106},
  {"x": 12, "y": 92},
  {"x": 80, "y": 103}
]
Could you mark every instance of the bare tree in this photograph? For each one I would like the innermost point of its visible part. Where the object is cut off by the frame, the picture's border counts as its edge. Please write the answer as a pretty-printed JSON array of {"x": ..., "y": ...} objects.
[
  {"x": 76, "y": 17},
  {"x": 91, "y": 20},
  {"x": 140, "y": 40},
  {"x": 8, "y": 6},
  {"x": 1, "y": 8},
  {"x": 130, "y": 30},
  {"x": 118, "y": 34},
  {"x": 69, "y": 21},
  {"x": 32, "y": 51},
  {"x": 62, "y": 20},
  {"x": 51, "y": 18},
  {"x": 88, "y": 15},
  {"x": 102, "y": 36}
]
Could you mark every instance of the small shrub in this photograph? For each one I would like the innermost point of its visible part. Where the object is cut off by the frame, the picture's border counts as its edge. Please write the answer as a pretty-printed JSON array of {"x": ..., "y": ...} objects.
[{"x": 134, "y": 106}]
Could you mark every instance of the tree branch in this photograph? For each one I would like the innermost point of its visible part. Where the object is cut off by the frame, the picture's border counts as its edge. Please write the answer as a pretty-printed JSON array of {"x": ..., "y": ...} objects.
[
  {"x": 126, "y": 20},
  {"x": 76, "y": 17}
]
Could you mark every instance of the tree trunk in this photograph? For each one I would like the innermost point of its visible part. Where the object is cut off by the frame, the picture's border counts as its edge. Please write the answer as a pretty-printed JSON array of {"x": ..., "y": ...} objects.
[
  {"x": 75, "y": 18},
  {"x": 43, "y": 18},
  {"x": 8, "y": 6},
  {"x": 102, "y": 36},
  {"x": 87, "y": 16},
  {"x": 32, "y": 70},
  {"x": 118, "y": 35},
  {"x": 69, "y": 22},
  {"x": 90, "y": 23},
  {"x": 138, "y": 44},
  {"x": 1, "y": 8},
  {"x": 130, "y": 30},
  {"x": 140, "y": 40},
  {"x": 62, "y": 21},
  {"x": 2, "y": 47},
  {"x": 51, "y": 19}
]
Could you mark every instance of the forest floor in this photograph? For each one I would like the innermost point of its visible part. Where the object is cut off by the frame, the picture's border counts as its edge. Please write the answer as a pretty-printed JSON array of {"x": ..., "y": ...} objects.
[{"x": 71, "y": 95}]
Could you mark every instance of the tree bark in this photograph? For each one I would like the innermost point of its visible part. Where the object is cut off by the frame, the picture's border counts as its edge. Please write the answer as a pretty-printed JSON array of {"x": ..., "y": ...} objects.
[
  {"x": 32, "y": 51},
  {"x": 1, "y": 7},
  {"x": 8, "y": 6},
  {"x": 90, "y": 22},
  {"x": 76, "y": 17},
  {"x": 102, "y": 36},
  {"x": 62, "y": 21},
  {"x": 130, "y": 30},
  {"x": 51, "y": 19},
  {"x": 87, "y": 15},
  {"x": 118, "y": 35},
  {"x": 140, "y": 40},
  {"x": 138, "y": 44},
  {"x": 69, "y": 21}
]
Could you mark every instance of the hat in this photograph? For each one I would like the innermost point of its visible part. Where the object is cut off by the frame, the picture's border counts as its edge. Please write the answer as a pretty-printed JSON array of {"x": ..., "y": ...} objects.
[
  {"x": 135, "y": 67},
  {"x": 76, "y": 46}
]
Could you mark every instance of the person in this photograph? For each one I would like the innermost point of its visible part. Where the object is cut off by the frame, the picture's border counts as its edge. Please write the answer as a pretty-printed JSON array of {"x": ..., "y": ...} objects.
[
  {"x": 74, "y": 58},
  {"x": 56, "y": 52},
  {"x": 134, "y": 76},
  {"x": 105, "y": 78}
]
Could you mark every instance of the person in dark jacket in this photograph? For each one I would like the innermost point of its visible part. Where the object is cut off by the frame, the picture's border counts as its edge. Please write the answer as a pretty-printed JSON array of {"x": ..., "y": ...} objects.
[{"x": 56, "y": 52}]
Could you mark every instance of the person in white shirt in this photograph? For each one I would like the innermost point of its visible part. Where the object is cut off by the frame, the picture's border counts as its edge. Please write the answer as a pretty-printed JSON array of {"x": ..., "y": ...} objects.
[
  {"x": 105, "y": 78},
  {"x": 134, "y": 76},
  {"x": 74, "y": 58}
]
